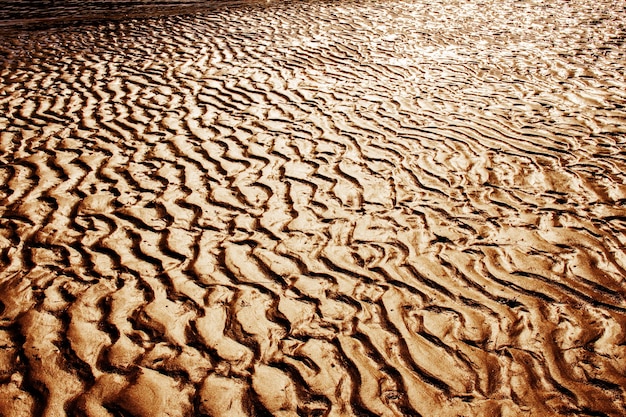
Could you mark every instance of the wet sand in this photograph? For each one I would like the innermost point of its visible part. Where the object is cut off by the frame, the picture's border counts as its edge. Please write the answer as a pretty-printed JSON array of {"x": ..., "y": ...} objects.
[
  {"x": 39, "y": 14},
  {"x": 391, "y": 208}
]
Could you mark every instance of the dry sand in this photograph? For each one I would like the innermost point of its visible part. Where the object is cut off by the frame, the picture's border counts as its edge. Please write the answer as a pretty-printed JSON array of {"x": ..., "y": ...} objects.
[{"x": 317, "y": 208}]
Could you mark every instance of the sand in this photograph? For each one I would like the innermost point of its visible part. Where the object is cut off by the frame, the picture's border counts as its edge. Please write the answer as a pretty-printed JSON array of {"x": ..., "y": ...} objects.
[{"x": 391, "y": 208}]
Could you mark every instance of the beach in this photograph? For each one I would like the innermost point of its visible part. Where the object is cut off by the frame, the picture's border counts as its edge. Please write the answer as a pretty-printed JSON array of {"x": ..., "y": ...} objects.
[{"x": 314, "y": 208}]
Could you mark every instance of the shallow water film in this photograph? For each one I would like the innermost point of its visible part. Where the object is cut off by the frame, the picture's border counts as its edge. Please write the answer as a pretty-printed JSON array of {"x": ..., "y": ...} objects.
[{"x": 374, "y": 208}]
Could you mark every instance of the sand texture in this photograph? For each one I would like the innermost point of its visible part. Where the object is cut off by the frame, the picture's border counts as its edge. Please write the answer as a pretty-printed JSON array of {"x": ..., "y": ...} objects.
[
  {"x": 391, "y": 208},
  {"x": 25, "y": 13}
]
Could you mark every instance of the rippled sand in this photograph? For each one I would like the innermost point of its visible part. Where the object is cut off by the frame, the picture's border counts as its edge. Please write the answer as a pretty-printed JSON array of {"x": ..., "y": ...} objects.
[
  {"x": 26, "y": 13},
  {"x": 317, "y": 208}
]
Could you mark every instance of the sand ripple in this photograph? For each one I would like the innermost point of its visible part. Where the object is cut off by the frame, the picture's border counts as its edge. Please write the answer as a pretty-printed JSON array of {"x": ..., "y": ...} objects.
[{"x": 317, "y": 208}]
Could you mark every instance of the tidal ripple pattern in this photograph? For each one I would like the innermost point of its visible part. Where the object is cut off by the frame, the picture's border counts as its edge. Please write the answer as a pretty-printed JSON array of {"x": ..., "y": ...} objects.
[{"x": 374, "y": 208}]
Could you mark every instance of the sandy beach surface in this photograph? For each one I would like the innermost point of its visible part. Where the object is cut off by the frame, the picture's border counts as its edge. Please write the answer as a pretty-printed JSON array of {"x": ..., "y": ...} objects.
[{"x": 315, "y": 208}]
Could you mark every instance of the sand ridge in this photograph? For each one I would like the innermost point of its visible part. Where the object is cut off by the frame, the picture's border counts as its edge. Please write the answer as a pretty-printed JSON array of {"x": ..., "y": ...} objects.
[{"x": 316, "y": 208}]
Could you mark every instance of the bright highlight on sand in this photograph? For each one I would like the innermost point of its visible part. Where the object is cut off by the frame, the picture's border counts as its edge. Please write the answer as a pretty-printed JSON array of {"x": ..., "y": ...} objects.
[{"x": 378, "y": 208}]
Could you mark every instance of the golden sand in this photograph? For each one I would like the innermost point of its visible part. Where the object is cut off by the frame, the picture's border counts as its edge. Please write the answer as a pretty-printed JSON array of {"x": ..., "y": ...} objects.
[{"x": 377, "y": 208}]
